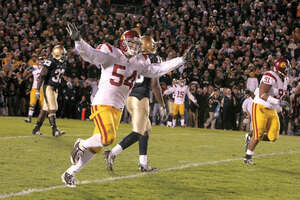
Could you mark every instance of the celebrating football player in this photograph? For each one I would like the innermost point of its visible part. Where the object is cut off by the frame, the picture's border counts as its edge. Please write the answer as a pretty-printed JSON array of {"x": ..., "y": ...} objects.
[
  {"x": 138, "y": 107},
  {"x": 34, "y": 71},
  {"x": 272, "y": 89},
  {"x": 171, "y": 103},
  {"x": 180, "y": 90},
  {"x": 49, "y": 81},
  {"x": 249, "y": 96},
  {"x": 120, "y": 68}
]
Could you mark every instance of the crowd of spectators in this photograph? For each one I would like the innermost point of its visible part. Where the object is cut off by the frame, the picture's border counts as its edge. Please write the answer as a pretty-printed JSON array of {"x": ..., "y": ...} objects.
[{"x": 238, "y": 41}]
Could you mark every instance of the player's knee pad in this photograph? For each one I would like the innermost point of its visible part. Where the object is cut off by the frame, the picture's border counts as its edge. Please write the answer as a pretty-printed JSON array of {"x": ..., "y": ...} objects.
[{"x": 95, "y": 150}]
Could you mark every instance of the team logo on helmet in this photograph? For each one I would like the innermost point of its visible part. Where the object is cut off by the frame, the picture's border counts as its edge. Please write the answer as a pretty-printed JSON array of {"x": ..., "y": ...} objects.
[{"x": 283, "y": 65}]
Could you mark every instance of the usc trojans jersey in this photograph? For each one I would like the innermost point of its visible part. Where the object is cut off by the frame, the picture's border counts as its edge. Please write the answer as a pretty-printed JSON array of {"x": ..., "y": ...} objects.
[
  {"x": 179, "y": 94},
  {"x": 278, "y": 89},
  {"x": 36, "y": 71},
  {"x": 119, "y": 73}
]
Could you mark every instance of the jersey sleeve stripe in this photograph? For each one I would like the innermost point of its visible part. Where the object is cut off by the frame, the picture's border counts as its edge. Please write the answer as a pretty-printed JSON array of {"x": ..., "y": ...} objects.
[
  {"x": 109, "y": 47},
  {"x": 145, "y": 56},
  {"x": 271, "y": 75}
]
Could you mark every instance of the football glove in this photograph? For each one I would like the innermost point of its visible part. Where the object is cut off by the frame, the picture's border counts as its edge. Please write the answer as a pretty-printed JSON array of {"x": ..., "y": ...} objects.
[
  {"x": 73, "y": 32},
  {"x": 187, "y": 57},
  {"x": 196, "y": 104},
  {"x": 37, "y": 94},
  {"x": 163, "y": 112},
  {"x": 283, "y": 103}
]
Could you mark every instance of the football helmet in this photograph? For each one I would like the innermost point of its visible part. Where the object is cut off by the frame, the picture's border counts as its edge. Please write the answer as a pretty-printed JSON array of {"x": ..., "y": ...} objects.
[
  {"x": 182, "y": 82},
  {"x": 40, "y": 61},
  {"x": 149, "y": 45},
  {"x": 130, "y": 42},
  {"x": 282, "y": 66},
  {"x": 174, "y": 81},
  {"x": 59, "y": 53}
]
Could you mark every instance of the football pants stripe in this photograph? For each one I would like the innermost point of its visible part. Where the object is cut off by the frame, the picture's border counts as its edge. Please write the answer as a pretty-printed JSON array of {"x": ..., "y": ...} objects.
[
  {"x": 255, "y": 121},
  {"x": 104, "y": 134},
  {"x": 97, "y": 122}
]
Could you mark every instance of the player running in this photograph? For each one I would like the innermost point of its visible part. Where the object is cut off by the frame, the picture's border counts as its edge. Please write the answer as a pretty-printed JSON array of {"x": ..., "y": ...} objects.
[{"x": 272, "y": 89}]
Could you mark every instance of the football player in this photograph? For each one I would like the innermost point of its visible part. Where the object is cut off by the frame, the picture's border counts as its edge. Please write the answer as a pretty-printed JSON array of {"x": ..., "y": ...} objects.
[
  {"x": 249, "y": 96},
  {"x": 268, "y": 97},
  {"x": 34, "y": 71},
  {"x": 171, "y": 103},
  {"x": 119, "y": 70},
  {"x": 138, "y": 107},
  {"x": 180, "y": 90},
  {"x": 49, "y": 81}
]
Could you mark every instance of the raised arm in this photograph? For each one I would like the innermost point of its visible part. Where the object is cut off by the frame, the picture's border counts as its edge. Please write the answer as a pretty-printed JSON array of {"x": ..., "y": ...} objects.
[
  {"x": 191, "y": 97},
  {"x": 159, "y": 69},
  {"x": 170, "y": 90},
  {"x": 88, "y": 53}
]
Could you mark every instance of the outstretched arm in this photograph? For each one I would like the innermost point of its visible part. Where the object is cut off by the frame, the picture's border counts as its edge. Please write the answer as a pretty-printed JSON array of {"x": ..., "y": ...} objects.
[
  {"x": 169, "y": 91},
  {"x": 191, "y": 97}
]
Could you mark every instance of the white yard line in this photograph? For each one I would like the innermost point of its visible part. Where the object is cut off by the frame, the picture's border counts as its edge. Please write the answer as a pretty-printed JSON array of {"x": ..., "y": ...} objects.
[
  {"x": 25, "y": 192},
  {"x": 32, "y": 136}
]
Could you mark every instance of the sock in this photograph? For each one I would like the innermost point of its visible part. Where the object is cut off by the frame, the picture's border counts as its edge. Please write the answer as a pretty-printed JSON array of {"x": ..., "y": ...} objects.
[
  {"x": 143, "y": 145},
  {"x": 174, "y": 122},
  {"x": 182, "y": 122},
  {"x": 116, "y": 150},
  {"x": 249, "y": 154},
  {"x": 143, "y": 159},
  {"x": 38, "y": 125},
  {"x": 85, "y": 158},
  {"x": 30, "y": 113},
  {"x": 94, "y": 141},
  {"x": 129, "y": 140},
  {"x": 52, "y": 120}
]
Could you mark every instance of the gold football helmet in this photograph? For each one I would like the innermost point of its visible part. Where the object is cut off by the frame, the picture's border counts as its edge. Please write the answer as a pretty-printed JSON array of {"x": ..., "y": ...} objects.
[
  {"x": 149, "y": 45},
  {"x": 59, "y": 53}
]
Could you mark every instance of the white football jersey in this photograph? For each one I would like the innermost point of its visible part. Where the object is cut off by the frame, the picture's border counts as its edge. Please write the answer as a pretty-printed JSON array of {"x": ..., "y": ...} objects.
[
  {"x": 36, "y": 75},
  {"x": 179, "y": 93},
  {"x": 119, "y": 73},
  {"x": 247, "y": 105},
  {"x": 278, "y": 89}
]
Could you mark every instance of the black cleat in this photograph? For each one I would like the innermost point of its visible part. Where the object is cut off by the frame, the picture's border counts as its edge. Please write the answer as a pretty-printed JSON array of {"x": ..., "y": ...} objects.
[
  {"x": 57, "y": 133},
  {"x": 28, "y": 120},
  {"x": 146, "y": 168},
  {"x": 68, "y": 179},
  {"x": 248, "y": 161},
  {"x": 37, "y": 132},
  {"x": 76, "y": 152},
  {"x": 109, "y": 159}
]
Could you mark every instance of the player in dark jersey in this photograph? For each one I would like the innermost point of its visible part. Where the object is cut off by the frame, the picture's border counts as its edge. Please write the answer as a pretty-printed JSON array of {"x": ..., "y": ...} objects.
[
  {"x": 138, "y": 107},
  {"x": 50, "y": 79}
]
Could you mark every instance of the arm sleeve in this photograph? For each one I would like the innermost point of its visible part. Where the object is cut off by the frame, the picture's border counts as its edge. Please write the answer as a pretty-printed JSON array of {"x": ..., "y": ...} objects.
[
  {"x": 169, "y": 91},
  {"x": 159, "y": 69},
  {"x": 191, "y": 97},
  {"x": 92, "y": 55}
]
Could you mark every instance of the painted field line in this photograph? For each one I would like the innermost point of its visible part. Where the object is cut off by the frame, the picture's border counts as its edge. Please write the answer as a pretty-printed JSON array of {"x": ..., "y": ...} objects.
[
  {"x": 32, "y": 136},
  {"x": 25, "y": 192}
]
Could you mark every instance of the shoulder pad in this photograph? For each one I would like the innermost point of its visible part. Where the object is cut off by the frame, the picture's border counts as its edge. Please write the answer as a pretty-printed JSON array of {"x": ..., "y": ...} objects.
[{"x": 269, "y": 78}]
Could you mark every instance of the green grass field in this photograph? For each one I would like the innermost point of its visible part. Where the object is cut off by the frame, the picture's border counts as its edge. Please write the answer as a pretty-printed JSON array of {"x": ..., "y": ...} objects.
[{"x": 193, "y": 164}]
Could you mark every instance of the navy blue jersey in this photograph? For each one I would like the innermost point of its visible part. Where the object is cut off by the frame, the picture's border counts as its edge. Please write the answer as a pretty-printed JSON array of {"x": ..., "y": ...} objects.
[
  {"x": 142, "y": 87},
  {"x": 56, "y": 71}
]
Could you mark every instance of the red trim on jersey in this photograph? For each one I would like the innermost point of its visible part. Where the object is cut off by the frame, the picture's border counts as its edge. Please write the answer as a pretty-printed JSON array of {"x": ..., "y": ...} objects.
[
  {"x": 255, "y": 122},
  {"x": 103, "y": 127},
  {"x": 99, "y": 47},
  {"x": 271, "y": 75},
  {"x": 109, "y": 47},
  {"x": 145, "y": 56}
]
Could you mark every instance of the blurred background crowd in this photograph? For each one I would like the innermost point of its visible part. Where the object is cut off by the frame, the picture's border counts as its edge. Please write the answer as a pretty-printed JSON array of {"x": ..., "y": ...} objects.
[{"x": 239, "y": 40}]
